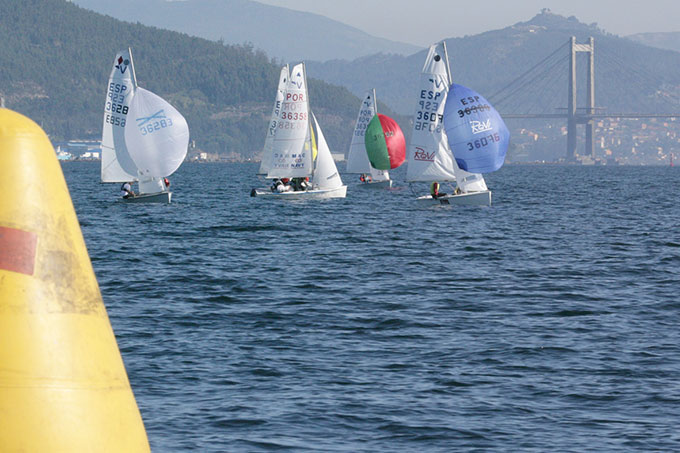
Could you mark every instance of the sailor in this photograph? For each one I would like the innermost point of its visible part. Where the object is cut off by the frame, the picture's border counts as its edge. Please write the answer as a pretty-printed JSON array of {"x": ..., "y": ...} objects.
[
  {"x": 126, "y": 190},
  {"x": 166, "y": 182},
  {"x": 304, "y": 183},
  {"x": 275, "y": 185},
  {"x": 284, "y": 187},
  {"x": 434, "y": 190}
]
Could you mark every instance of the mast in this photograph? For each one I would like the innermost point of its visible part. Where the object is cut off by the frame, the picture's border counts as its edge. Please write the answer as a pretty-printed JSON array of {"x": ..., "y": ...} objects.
[
  {"x": 375, "y": 102},
  {"x": 310, "y": 128},
  {"x": 448, "y": 68},
  {"x": 132, "y": 65}
]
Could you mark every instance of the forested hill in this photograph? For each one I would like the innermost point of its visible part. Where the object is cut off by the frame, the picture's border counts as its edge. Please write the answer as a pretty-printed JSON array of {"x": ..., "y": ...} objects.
[{"x": 55, "y": 60}]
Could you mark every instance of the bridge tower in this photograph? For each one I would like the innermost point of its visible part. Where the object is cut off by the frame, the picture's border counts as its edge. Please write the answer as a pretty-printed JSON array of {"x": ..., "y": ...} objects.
[{"x": 573, "y": 117}]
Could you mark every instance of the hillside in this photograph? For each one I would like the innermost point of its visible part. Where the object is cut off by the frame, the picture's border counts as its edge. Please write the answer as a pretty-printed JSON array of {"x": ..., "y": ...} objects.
[
  {"x": 668, "y": 40},
  {"x": 282, "y": 33},
  {"x": 56, "y": 58},
  {"x": 629, "y": 76}
]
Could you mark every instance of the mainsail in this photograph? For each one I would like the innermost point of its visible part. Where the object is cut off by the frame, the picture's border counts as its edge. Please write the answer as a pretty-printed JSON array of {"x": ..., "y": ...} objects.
[
  {"x": 290, "y": 159},
  {"x": 267, "y": 153},
  {"x": 357, "y": 159},
  {"x": 157, "y": 135},
  {"x": 428, "y": 153},
  {"x": 116, "y": 164}
]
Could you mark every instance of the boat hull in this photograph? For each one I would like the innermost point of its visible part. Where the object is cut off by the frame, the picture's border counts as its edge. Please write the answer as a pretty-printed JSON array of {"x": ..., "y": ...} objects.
[
  {"x": 465, "y": 199},
  {"x": 377, "y": 184},
  {"x": 159, "y": 197},
  {"x": 339, "y": 192}
]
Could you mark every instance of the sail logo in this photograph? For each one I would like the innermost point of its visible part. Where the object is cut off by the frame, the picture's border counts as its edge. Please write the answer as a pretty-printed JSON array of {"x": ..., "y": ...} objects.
[
  {"x": 122, "y": 65},
  {"x": 423, "y": 155},
  {"x": 480, "y": 126},
  {"x": 299, "y": 82},
  {"x": 438, "y": 83}
]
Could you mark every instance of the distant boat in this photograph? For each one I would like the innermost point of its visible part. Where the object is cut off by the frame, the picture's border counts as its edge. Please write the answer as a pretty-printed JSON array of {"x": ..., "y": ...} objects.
[
  {"x": 300, "y": 157},
  {"x": 357, "y": 159},
  {"x": 63, "y": 155},
  {"x": 144, "y": 138},
  {"x": 457, "y": 135}
]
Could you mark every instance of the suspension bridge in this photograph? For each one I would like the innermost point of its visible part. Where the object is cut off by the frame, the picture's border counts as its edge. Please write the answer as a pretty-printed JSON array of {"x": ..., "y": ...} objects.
[{"x": 542, "y": 77}]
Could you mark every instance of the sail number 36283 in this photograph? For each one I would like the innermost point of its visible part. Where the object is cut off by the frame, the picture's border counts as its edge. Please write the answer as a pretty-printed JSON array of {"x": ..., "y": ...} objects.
[{"x": 155, "y": 126}]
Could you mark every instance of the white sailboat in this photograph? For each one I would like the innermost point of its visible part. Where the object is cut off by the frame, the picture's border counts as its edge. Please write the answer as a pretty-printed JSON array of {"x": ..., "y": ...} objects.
[
  {"x": 297, "y": 138},
  {"x": 429, "y": 155},
  {"x": 144, "y": 138},
  {"x": 357, "y": 159}
]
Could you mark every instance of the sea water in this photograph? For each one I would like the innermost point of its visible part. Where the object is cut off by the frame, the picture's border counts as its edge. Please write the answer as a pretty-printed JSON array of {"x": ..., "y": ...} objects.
[{"x": 547, "y": 322}]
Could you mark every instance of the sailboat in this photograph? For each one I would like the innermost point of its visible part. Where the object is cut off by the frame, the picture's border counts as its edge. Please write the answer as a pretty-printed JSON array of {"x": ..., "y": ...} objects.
[
  {"x": 434, "y": 156},
  {"x": 357, "y": 159},
  {"x": 299, "y": 149},
  {"x": 144, "y": 138}
]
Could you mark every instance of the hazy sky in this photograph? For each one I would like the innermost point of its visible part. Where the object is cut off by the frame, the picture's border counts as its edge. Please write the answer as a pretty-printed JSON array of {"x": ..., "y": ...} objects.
[{"x": 423, "y": 22}]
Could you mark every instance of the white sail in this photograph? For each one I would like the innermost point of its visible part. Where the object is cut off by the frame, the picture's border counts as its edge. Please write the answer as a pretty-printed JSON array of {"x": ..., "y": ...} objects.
[
  {"x": 326, "y": 174},
  {"x": 428, "y": 154},
  {"x": 116, "y": 164},
  {"x": 157, "y": 135},
  {"x": 267, "y": 153},
  {"x": 290, "y": 159}
]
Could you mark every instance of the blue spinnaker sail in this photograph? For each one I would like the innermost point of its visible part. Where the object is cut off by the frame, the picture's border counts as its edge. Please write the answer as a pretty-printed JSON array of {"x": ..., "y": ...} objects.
[{"x": 477, "y": 135}]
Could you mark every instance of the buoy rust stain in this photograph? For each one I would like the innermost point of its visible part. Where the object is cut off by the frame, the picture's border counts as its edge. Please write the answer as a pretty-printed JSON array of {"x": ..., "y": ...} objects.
[{"x": 17, "y": 250}]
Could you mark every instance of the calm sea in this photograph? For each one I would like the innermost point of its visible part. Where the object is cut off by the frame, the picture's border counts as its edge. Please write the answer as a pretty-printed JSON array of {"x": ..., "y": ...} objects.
[{"x": 548, "y": 322}]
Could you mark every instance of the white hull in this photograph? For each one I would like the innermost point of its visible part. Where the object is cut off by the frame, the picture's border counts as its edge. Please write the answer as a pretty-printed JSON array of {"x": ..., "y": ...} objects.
[
  {"x": 159, "y": 197},
  {"x": 464, "y": 199},
  {"x": 340, "y": 192},
  {"x": 377, "y": 184}
]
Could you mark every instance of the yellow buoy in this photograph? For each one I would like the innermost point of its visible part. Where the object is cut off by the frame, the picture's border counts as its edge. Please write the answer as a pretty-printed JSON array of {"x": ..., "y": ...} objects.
[{"x": 63, "y": 385}]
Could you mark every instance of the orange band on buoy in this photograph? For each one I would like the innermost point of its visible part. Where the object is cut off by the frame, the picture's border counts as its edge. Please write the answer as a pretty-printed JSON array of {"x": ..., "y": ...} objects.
[{"x": 17, "y": 250}]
